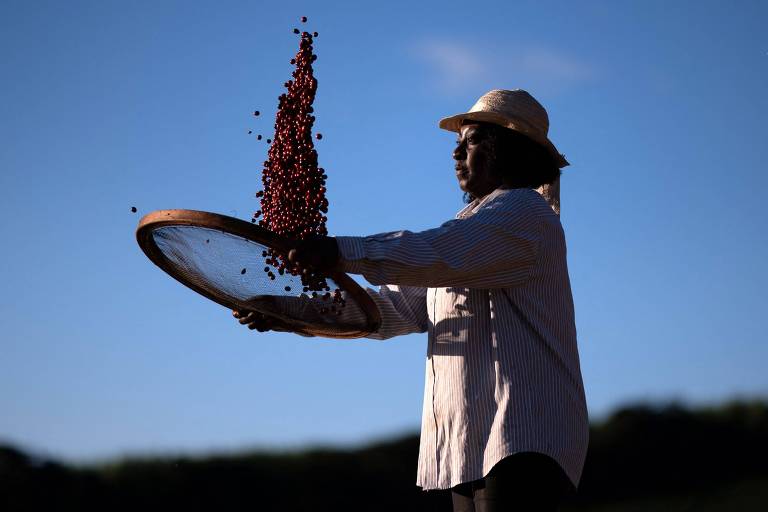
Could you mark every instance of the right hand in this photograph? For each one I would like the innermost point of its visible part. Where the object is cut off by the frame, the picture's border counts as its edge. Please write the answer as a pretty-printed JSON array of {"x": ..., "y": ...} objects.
[{"x": 259, "y": 321}]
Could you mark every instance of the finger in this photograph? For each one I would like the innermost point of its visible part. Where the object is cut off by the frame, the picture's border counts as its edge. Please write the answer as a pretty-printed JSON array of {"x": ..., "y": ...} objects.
[
  {"x": 263, "y": 324},
  {"x": 250, "y": 317},
  {"x": 259, "y": 326}
]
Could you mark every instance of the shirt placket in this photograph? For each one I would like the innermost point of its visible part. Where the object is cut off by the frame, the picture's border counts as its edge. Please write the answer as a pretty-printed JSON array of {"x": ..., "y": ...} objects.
[{"x": 434, "y": 387}]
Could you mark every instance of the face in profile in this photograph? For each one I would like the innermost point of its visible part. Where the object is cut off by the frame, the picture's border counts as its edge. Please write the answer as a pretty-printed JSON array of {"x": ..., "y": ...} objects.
[{"x": 475, "y": 161}]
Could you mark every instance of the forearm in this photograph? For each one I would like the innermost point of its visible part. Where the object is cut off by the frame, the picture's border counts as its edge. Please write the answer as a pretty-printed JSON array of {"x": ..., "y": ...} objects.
[
  {"x": 496, "y": 247},
  {"x": 402, "y": 309}
]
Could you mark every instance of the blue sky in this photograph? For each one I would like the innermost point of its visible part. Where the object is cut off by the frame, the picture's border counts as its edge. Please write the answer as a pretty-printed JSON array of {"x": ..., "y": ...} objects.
[{"x": 659, "y": 107}]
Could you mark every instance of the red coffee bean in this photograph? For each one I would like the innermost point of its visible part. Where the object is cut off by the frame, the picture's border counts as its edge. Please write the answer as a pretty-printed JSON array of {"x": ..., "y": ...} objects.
[{"x": 293, "y": 198}]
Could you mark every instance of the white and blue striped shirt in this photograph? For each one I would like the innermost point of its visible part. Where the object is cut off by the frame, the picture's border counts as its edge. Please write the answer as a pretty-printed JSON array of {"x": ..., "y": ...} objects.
[{"x": 502, "y": 373}]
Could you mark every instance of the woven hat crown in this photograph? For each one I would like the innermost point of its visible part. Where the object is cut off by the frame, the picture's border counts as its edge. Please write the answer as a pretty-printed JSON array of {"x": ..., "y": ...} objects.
[
  {"x": 517, "y": 104},
  {"x": 514, "y": 109}
]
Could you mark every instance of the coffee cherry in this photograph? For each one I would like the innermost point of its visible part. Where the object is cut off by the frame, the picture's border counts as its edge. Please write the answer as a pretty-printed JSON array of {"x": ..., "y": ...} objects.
[{"x": 293, "y": 198}]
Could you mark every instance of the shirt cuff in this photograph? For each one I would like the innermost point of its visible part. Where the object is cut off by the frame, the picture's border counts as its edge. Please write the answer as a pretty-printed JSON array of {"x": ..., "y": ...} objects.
[{"x": 351, "y": 253}]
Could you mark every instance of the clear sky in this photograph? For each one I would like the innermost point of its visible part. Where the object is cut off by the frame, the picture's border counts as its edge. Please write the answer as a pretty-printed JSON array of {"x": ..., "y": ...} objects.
[{"x": 659, "y": 106}]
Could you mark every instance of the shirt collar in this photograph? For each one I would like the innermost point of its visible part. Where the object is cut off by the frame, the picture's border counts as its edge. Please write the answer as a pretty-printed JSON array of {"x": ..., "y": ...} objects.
[{"x": 475, "y": 205}]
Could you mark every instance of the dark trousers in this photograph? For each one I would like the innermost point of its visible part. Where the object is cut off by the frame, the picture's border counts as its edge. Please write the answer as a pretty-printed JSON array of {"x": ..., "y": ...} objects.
[{"x": 525, "y": 482}]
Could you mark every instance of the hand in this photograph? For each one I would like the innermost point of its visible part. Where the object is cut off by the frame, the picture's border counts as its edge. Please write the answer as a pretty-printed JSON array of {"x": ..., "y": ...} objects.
[
  {"x": 259, "y": 321},
  {"x": 317, "y": 253}
]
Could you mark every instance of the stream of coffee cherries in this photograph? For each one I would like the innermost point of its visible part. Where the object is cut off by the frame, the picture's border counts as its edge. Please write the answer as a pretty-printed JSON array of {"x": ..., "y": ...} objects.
[{"x": 293, "y": 200}]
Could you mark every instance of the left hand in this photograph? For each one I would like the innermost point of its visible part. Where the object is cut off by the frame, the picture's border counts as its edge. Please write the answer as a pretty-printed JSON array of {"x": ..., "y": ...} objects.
[
  {"x": 259, "y": 321},
  {"x": 319, "y": 253}
]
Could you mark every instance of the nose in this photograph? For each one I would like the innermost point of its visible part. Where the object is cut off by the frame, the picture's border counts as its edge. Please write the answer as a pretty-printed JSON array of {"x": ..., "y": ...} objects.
[{"x": 459, "y": 153}]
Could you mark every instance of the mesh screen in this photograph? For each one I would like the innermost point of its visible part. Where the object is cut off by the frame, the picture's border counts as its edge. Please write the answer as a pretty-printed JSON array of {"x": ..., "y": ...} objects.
[{"x": 214, "y": 261}]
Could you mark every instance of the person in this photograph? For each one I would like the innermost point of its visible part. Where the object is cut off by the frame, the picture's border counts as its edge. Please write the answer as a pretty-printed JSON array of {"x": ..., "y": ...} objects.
[{"x": 504, "y": 420}]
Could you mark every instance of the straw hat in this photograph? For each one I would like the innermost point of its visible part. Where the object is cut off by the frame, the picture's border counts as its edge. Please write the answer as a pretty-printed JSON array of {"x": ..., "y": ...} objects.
[{"x": 516, "y": 110}]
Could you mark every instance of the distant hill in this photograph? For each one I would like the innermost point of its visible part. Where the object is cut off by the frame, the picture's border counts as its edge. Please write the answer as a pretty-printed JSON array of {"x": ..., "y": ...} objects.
[{"x": 643, "y": 457}]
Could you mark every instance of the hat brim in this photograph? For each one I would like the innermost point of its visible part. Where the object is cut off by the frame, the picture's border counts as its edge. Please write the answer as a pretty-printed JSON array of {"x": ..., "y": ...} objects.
[{"x": 453, "y": 124}]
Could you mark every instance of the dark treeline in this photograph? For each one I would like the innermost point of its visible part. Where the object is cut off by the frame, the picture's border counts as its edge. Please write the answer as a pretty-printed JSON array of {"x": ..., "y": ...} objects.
[{"x": 641, "y": 453}]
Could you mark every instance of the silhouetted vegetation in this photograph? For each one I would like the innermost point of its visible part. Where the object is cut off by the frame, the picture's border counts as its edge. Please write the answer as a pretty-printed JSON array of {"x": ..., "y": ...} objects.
[{"x": 642, "y": 458}]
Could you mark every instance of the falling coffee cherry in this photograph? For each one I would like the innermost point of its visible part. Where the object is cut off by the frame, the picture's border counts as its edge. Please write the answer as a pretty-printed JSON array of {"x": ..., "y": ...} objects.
[
  {"x": 256, "y": 112},
  {"x": 303, "y": 19},
  {"x": 242, "y": 271},
  {"x": 258, "y": 137},
  {"x": 287, "y": 288},
  {"x": 250, "y": 132},
  {"x": 133, "y": 209},
  {"x": 293, "y": 199}
]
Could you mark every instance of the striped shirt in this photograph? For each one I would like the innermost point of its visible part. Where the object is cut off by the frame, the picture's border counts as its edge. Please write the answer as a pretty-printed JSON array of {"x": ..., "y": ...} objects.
[{"x": 491, "y": 288}]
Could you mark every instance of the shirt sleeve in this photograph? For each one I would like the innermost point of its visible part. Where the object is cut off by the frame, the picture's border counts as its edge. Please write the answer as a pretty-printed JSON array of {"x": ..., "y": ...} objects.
[
  {"x": 403, "y": 310},
  {"x": 496, "y": 247}
]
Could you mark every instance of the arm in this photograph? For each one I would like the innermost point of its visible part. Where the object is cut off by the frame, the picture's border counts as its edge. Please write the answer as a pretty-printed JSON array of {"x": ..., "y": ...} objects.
[
  {"x": 494, "y": 248},
  {"x": 403, "y": 311}
]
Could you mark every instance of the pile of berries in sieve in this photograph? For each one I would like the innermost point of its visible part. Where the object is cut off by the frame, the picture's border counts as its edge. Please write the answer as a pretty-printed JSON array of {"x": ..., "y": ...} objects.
[{"x": 293, "y": 202}]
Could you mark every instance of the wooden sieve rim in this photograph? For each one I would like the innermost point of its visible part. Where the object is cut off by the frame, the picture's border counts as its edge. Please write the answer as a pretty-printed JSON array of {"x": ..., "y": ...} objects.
[{"x": 230, "y": 225}]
